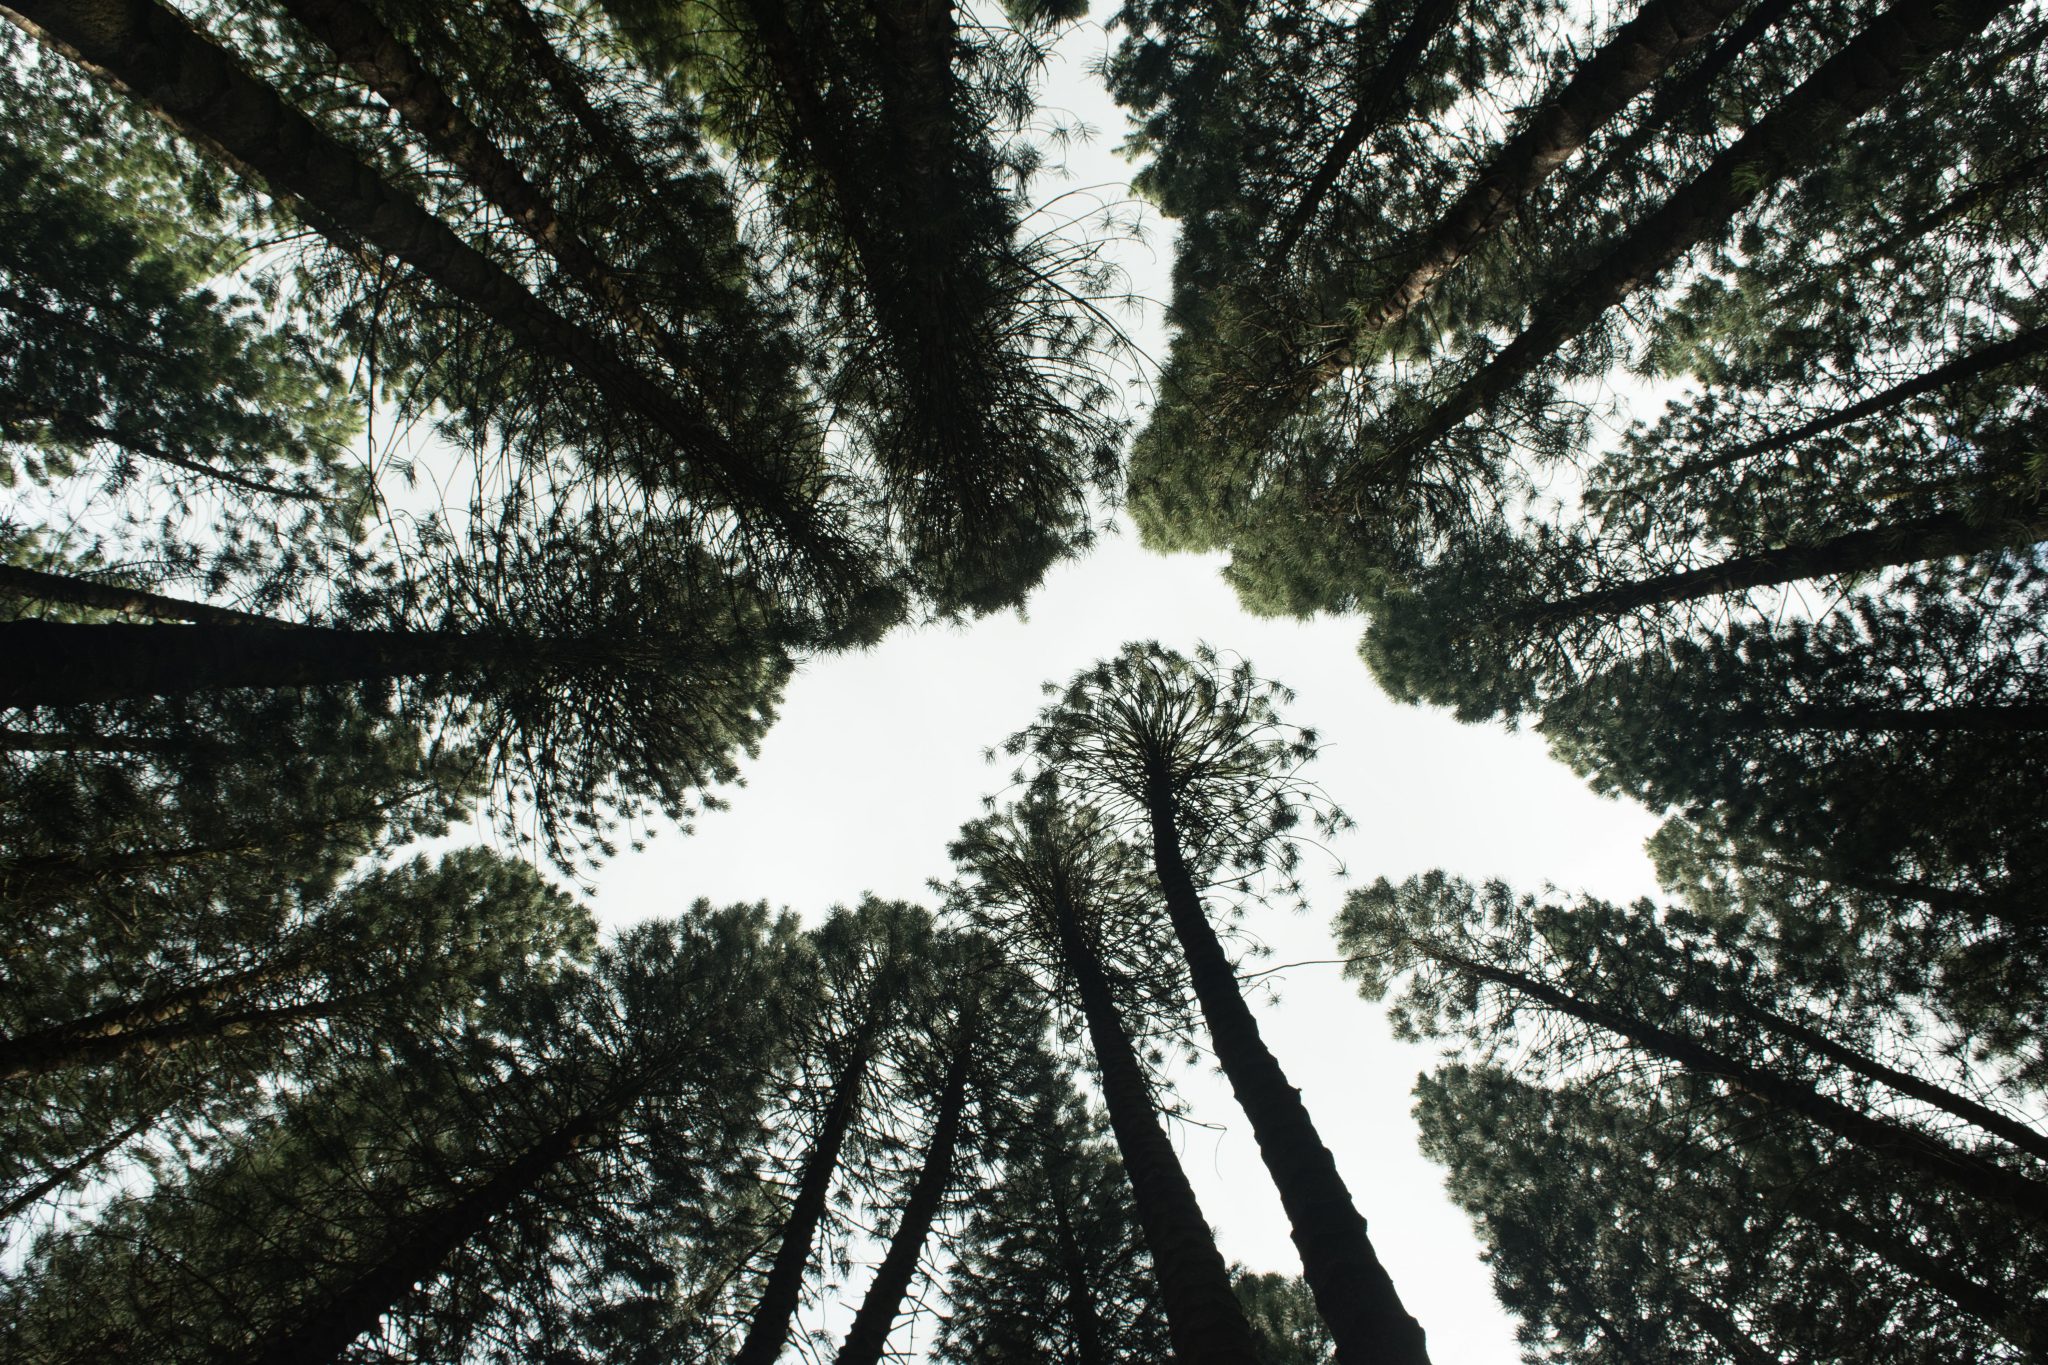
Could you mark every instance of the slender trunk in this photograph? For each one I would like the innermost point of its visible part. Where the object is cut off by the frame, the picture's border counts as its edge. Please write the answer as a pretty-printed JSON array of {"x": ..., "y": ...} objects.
[
  {"x": 157, "y": 58},
  {"x": 2024, "y": 1326},
  {"x": 73, "y": 742},
  {"x": 391, "y": 69},
  {"x": 47, "y": 663},
  {"x": 1984, "y": 360},
  {"x": 1353, "y": 1291},
  {"x": 35, "y": 585},
  {"x": 326, "y": 1329},
  {"x": 45, "y": 1049},
  {"x": 1925, "y": 1153},
  {"x": 1640, "y": 51},
  {"x": 1088, "y": 1348},
  {"x": 1672, "y": 96},
  {"x": 2015, "y": 718},
  {"x": 83, "y": 431},
  {"x": 869, "y": 1335},
  {"x": 1990, "y": 1120},
  {"x": 1891, "y": 50},
  {"x": 64, "y": 1175},
  {"x": 783, "y": 1288},
  {"x": 2000, "y": 903},
  {"x": 1203, "y": 1318},
  {"x": 1942, "y": 535},
  {"x": 1381, "y": 93},
  {"x": 38, "y": 1054}
]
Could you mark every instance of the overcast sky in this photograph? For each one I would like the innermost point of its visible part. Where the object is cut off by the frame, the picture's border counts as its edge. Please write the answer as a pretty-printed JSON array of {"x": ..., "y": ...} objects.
[{"x": 878, "y": 759}]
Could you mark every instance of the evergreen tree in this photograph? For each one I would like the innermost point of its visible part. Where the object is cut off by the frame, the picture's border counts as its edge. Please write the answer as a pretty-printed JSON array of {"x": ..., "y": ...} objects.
[
  {"x": 1192, "y": 759},
  {"x": 1058, "y": 886}
]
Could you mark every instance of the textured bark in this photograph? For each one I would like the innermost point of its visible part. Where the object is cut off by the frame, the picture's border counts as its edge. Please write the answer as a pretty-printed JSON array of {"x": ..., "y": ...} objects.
[
  {"x": 2023, "y": 1325},
  {"x": 1382, "y": 92},
  {"x": 1800, "y": 128},
  {"x": 1353, "y": 1291},
  {"x": 1930, "y": 1156},
  {"x": 1963, "y": 1107},
  {"x": 328, "y": 1327},
  {"x": 64, "y": 1175},
  {"x": 76, "y": 1045},
  {"x": 1203, "y": 1318},
  {"x": 1662, "y": 32},
  {"x": 783, "y": 1289},
  {"x": 35, "y": 585},
  {"x": 1981, "y": 361},
  {"x": 869, "y": 1335},
  {"x": 158, "y": 59},
  {"x": 1940, "y": 536},
  {"x": 2008, "y": 719},
  {"x": 390, "y": 68},
  {"x": 47, "y": 663}
]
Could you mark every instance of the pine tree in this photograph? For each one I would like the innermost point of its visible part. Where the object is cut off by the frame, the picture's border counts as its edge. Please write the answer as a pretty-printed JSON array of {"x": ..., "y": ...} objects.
[{"x": 1191, "y": 760}]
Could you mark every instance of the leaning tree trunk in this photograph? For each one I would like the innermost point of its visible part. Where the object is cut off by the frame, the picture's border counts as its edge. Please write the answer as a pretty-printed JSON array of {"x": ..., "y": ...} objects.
[
  {"x": 1895, "y": 47},
  {"x": 783, "y": 1289},
  {"x": 1203, "y": 1318},
  {"x": 1640, "y": 51},
  {"x": 69, "y": 591},
  {"x": 56, "y": 1180},
  {"x": 1382, "y": 93},
  {"x": 1353, "y": 1291},
  {"x": 1942, "y": 535},
  {"x": 70, "y": 1046},
  {"x": 49, "y": 663},
  {"x": 869, "y": 1335},
  {"x": 156, "y": 57},
  {"x": 326, "y": 1329},
  {"x": 1930, "y": 1156}
]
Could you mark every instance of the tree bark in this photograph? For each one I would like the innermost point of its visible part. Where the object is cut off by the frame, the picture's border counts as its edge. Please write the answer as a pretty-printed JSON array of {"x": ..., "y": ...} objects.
[
  {"x": 1891, "y": 50},
  {"x": 2015, "y": 718},
  {"x": 326, "y": 1329},
  {"x": 35, "y": 585},
  {"x": 38, "y": 1054},
  {"x": 869, "y": 1335},
  {"x": 1353, "y": 1291},
  {"x": 1981, "y": 361},
  {"x": 1661, "y": 33},
  {"x": 158, "y": 59},
  {"x": 48, "y": 663},
  {"x": 1996, "y": 1185},
  {"x": 1203, "y": 1318},
  {"x": 1941, "y": 1097},
  {"x": 1942, "y": 535},
  {"x": 783, "y": 1288},
  {"x": 1381, "y": 93}
]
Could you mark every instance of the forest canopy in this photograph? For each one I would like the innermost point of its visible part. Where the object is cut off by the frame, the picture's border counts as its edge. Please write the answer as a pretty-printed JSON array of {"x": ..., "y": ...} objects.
[{"x": 436, "y": 435}]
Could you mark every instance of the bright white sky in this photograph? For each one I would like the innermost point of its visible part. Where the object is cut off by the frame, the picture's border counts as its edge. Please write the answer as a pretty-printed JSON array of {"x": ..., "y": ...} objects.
[{"x": 877, "y": 761}]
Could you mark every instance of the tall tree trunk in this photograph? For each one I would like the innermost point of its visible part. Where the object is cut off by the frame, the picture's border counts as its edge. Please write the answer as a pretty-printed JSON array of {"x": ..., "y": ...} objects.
[
  {"x": 1799, "y": 129},
  {"x": 1856, "y": 718},
  {"x": 2022, "y": 1325},
  {"x": 1088, "y": 1347},
  {"x": 1382, "y": 92},
  {"x": 38, "y": 1054},
  {"x": 2002, "y": 903},
  {"x": 783, "y": 1288},
  {"x": 70, "y": 1171},
  {"x": 1984, "y": 360},
  {"x": 1640, "y": 51},
  {"x": 1941, "y": 535},
  {"x": 1353, "y": 1291},
  {"x": 156, "y": 57},
  {"x": 325, "y": 1329},
  {"x": 869, "y": 1335},
  {"x": 1923, "y": 1152},
  {"x": 48, "y": 663},
  {"x": 37, "y": 586},
  {"x": 1851, "y": 1059},
  {"x": 390, "y": 68},
  {"x": 1203, "y": 1318}
]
